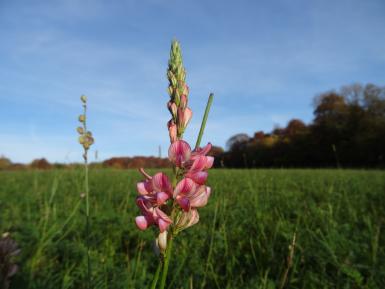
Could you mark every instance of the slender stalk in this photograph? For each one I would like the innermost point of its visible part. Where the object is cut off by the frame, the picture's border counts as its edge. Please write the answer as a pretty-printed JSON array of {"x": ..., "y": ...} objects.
[
  {"x": 86, "y": 187},
  {"x": 204, "y": 120},
  {"x": 167, "y": 256},
  {"x": 156, "y": 277}
]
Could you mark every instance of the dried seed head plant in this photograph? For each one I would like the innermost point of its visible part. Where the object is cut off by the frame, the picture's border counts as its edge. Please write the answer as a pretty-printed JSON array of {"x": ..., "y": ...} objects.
[
  {"x": 8, "y": 250},
  {"x": 172, "y": 205},
  {"x": 86, "y": 140}
]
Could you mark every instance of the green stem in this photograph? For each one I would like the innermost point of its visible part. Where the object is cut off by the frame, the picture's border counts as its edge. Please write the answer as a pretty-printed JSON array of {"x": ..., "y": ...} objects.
[
  {"x": 204, "y": 120},
  {"x": 166, "y": 262},
  {"x": 87, "y": 204},
  {"x": 156, "y": 277}
]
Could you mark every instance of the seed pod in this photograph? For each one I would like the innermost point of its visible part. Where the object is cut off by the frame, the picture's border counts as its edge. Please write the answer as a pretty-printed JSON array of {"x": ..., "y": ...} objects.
[
  {"x": 82, "y": 118},
  {"x": 82, "y": 139},
  {"x": 83, "y": 98}
]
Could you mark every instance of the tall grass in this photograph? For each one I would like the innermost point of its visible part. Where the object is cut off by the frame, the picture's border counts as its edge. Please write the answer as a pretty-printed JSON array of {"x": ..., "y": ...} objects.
[{"x": 241, "y": 242}]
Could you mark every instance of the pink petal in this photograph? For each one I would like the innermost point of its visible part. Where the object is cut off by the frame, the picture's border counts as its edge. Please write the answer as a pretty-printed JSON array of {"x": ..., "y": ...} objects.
[
  {"x": 163, "y": 220},
  {"x": 162, "y": 215},
  {"x": 161, "y": 183},
  {"x": 144, "y": 204},
  {"x": 194, "y": 218},
  {"x": 141, "y": 222},
  {"x": 184, "y": 187},
  {"x": 144, "y": 188},
  {"x": 179, "y": 152},
  {"x": 209, "y": 162},
  {"x": 163, "y": 225},
  {"x": 161, "y": 197},
  {"x": 200, "y": 198},
  {"x": 202, "y": 151},
  {"x": 198, "y": 177},
  {"x": 184, "y": 203},
  {"x": 199, "y": 164},
  {"x": 187, "y": 116}
]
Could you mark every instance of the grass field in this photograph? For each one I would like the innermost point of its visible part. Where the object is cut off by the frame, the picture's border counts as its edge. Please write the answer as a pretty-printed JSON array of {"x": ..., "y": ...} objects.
[{"x": 241, "y": 241}]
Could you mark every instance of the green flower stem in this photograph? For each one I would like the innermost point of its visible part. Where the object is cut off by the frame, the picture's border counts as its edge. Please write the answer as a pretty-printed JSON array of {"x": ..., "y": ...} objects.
[
  {"x": 156, "y": 276},
  {"x": 167, "y": 256},
  {"x": 86, "y": 187},
  {"x": 204, "y": 120}
]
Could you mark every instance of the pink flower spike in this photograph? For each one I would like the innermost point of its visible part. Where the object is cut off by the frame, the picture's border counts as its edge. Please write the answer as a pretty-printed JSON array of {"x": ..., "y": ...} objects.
[
  {"x": 141, "y": 222},
  {"x": 161, "y": 198},
  {"x": 179, "y": 152}
]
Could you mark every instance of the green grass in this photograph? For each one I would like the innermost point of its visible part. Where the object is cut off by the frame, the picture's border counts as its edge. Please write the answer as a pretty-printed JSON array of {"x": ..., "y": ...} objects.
[{"x": 241, "y": 240}]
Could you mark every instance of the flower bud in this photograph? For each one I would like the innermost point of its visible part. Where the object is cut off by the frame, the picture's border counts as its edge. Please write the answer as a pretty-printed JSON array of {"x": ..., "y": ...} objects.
[
  {"x": 172, "y": 130},
  {"x": 161, "y": 241},
  {"x": 172, "y": 108},
  {"x": 183, "y": 101},
  {"x": 80, "y": 130},
  {"x": 186, "y": 220}
]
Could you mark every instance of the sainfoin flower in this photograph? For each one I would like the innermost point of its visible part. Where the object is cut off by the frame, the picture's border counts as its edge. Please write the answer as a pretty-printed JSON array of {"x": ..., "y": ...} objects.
[{"x": 171, "y": 204}]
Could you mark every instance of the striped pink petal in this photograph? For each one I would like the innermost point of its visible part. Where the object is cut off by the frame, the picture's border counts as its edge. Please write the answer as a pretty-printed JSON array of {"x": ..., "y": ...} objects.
[
  {"x": 200, "y": 197},
  {"x": 179, "y": 152},
  {"x": 198, "y": 177},
  {"x": 185, "y": 186},
  {"x": 161, "y": 183}
]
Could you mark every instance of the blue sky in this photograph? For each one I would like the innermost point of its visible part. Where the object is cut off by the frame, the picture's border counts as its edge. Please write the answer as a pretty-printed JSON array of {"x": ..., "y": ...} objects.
[{"x": 264, "y": 60}]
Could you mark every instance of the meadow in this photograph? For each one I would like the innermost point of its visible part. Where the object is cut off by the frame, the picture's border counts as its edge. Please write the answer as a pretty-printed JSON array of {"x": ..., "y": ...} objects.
[{"x": 241, "y": 241}]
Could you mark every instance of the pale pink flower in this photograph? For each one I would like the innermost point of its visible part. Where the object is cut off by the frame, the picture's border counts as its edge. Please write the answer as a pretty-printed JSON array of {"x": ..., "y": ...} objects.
[
  {"x": 179, "y": 152},
  {"x": 187, "y": 219},
  {"x": 151, "y": 215},
  {"x": 154, "y": 192},
  {"x": 195, "y": 162},
  {"x": 184, "y": 117},
  {"x": 189, "y": 194}
]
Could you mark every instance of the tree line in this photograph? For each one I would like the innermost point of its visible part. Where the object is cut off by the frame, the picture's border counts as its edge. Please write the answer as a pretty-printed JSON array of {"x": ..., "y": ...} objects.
[{"x": 348, "y": 130}]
